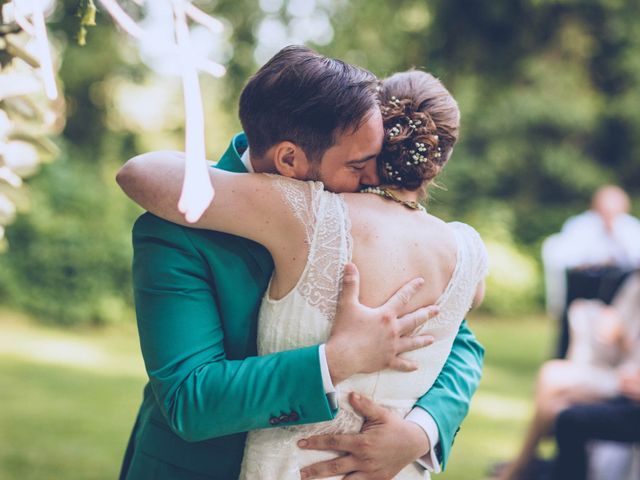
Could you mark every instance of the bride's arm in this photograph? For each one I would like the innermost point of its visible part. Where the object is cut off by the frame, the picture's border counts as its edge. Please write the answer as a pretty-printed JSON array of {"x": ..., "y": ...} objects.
[
  {"x": 245, "y": 204},
  {"x": 479, "y": 296}
]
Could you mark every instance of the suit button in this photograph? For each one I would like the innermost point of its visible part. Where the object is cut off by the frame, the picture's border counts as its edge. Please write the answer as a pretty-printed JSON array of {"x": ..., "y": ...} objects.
[
  {"x": 274, "y": 421},
  {"x": 294, "y": 417},
  {"x": 283, "y": 418}
]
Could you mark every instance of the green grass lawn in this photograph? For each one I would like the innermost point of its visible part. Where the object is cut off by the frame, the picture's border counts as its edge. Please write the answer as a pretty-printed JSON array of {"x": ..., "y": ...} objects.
[
  {"x": 515, "y": 348},
  {"x": 68, "y": 398}
]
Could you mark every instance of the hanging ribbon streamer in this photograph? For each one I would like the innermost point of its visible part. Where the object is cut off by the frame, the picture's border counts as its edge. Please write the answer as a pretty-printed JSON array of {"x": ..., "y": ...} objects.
[
  {"x": 197, "y": 191},
  {"x": 22, "y": 10}
]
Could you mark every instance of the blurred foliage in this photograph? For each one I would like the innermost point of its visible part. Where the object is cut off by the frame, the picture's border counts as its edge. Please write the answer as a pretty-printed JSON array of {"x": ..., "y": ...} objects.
[
  {"x": 548, "y": 91},
  {"x": 69, "y": 254},
  {"x": 28, "y": 118}
]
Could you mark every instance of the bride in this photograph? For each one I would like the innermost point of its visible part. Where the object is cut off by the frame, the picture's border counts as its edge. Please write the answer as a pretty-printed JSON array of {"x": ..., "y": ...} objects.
[{"x": 312, "y": 234}]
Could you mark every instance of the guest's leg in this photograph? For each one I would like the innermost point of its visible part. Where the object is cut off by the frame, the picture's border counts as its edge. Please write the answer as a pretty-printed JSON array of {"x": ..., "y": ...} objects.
[
  {"x": 571, "y": 456},
  {"x": 617, "y": 420},
  {"x": 549, "y": 400},
  {"x": 560, "y": 384}
]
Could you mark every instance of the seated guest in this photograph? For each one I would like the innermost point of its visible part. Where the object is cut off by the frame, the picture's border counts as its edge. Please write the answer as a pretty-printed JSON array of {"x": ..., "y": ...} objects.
[
  {"x": 617, "y": 421},
  {"x": 605, "y": 347},
  {"x": 591, "y": 256}
]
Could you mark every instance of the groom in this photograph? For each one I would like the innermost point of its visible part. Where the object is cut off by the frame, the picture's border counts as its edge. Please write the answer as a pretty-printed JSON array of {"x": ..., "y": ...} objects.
[{"x": 198, "y": 292}]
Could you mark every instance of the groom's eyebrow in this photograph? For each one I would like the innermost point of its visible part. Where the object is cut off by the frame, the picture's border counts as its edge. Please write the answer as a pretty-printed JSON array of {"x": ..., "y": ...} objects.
[{"x": 361, "y": 160}]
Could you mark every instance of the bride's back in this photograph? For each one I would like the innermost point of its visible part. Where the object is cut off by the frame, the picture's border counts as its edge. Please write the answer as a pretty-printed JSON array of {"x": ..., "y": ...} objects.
[{"x": 393, "y": 244}]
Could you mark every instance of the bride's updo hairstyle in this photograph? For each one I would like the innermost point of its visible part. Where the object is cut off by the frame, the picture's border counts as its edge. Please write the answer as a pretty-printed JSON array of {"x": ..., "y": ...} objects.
[{"x": 421, "y": 124}]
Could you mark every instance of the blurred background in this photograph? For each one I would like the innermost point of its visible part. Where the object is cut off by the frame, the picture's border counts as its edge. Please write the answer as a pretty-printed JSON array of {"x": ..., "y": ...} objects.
[{"x": 549, "y": 93}]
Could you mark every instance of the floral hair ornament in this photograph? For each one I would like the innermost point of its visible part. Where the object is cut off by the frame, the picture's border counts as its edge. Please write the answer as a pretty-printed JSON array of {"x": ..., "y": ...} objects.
[
  {"x": 395, "y": 131},
  {"x": 395, "y": 174},
  {"x": 414, "y": 125},
  {"x": 395, "y": 102}
]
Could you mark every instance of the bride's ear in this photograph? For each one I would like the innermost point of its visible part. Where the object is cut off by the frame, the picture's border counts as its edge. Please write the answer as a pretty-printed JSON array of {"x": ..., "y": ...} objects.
[{"x": 290, "y": 160}]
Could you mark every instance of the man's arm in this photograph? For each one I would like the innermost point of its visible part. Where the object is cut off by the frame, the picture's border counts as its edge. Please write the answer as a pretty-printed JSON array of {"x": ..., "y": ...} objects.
[{"x": 448, "y": 399}]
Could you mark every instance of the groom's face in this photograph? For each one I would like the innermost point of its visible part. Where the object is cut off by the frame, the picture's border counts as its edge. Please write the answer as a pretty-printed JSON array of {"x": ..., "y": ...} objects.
[{"x": 351, "y": 162}]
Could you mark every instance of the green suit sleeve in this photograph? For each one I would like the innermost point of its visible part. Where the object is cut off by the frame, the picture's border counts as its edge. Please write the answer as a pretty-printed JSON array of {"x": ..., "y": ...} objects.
[
  {"x": 448, "y": 399},
  {"x": 201, "y": 392}
]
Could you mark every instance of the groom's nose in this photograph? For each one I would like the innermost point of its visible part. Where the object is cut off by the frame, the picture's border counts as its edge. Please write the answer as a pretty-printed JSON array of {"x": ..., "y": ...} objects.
[{"x": 370, "y": 174}]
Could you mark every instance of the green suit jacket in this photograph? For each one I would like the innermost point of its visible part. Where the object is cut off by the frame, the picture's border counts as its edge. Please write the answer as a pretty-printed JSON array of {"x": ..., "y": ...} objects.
[{"x": 197, "y": 295}]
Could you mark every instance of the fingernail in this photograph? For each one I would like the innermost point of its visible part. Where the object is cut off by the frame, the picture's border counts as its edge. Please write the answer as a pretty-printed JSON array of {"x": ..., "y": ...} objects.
[
  {"x": 303, "y": 443},
  {"x": 356, "y": 396}
]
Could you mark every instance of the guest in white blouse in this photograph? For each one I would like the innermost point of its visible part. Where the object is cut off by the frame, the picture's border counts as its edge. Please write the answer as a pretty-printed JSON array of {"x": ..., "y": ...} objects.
[{"x": 604, "y": 236}]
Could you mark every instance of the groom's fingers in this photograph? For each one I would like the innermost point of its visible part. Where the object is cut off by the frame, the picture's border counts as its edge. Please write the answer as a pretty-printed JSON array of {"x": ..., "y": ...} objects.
[
  {"x": 402, "y": 365},
  {"x": 356, "y": 476},
  {"x": 398, "y": 302},
  {"x": 411, "y": 321},
  {"x": 407, "y": 344},
  {"x": 330, "y": 468},
  {"x": 339, "y": 443},
  {"x": 372, "y": 412},
  {"x": 350, "y": 285}
]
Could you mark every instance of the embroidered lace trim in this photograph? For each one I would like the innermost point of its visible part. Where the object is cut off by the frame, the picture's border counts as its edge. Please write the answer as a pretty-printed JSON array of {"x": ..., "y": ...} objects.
[{"x": 328, "y": 233}]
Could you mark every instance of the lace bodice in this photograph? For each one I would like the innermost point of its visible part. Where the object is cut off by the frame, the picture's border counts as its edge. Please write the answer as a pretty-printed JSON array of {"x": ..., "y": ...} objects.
[{"x": 303, "y": 317}]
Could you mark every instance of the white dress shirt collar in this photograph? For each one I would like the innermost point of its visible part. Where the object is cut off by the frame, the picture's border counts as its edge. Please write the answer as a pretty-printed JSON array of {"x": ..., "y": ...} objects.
[{"x": 246, "y": 161}]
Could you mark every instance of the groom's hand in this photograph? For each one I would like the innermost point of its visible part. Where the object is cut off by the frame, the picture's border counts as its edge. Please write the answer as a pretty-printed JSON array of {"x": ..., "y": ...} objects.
[
  {"x": 367, "y": 340},
  {"x": 385, "y": 445}
]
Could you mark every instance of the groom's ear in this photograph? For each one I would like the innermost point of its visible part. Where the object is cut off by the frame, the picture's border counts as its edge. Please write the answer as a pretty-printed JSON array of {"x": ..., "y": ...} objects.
[{"x": 290, "y": 160}]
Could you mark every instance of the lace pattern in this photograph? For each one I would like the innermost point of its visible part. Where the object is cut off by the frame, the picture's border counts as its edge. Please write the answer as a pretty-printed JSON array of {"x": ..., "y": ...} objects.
[{"x": 328, "y": 231}]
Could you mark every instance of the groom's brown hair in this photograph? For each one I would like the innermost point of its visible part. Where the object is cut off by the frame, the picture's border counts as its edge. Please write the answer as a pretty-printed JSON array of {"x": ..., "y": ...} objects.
[{"x": 305, "y": 98}]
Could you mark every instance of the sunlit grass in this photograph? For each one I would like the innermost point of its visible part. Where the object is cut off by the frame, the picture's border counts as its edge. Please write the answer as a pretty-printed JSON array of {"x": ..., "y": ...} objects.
[
  {"x": 112, "y": 351},
  {"x": 68, "y": 400},
  {"x": 515, "y": 347},
  {"x": 69, "y": 397}
]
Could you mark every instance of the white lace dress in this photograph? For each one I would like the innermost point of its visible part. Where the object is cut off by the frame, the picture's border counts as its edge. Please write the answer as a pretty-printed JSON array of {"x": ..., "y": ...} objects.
[{"x": 303, "y": 317}]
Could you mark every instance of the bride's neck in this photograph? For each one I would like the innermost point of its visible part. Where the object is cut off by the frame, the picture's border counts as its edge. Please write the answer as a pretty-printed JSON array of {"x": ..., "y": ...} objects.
[{"x": 402, "y": 194}]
